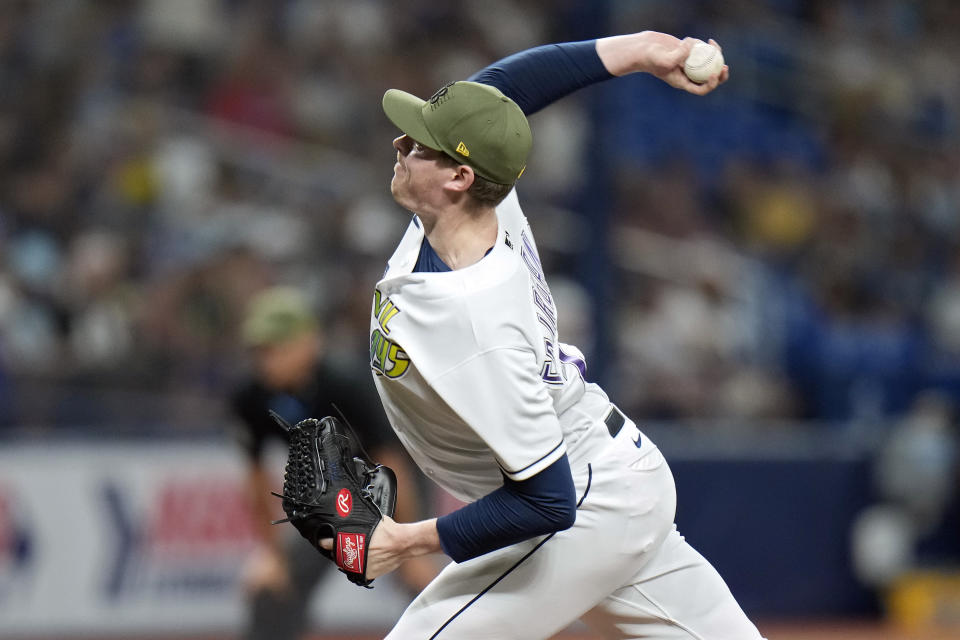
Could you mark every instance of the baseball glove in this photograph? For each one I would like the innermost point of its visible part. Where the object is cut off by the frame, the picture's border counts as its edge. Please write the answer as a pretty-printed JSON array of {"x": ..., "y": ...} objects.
[{"x": 331, "y": 489}]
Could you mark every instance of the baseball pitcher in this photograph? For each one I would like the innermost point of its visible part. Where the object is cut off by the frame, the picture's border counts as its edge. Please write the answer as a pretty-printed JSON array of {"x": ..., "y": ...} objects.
[{"x": 570, "y": 506}]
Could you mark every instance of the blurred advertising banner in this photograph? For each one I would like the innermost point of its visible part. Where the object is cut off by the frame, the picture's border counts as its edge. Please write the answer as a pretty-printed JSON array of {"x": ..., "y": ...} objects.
[{"x": 148, "y": 536}]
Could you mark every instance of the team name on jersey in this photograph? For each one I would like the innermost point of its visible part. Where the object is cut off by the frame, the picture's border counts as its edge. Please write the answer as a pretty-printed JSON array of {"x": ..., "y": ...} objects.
[
  {"x": 387, "y": 358},
  {"x": 551, "y": 371}
]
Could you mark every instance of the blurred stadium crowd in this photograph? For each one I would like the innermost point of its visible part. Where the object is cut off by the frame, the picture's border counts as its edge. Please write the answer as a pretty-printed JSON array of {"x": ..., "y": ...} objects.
[{"x": 788, "y": 248}]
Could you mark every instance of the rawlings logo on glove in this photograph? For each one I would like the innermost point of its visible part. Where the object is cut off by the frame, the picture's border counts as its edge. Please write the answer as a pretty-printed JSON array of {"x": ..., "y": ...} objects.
[
  {"x": 350, "y": 549},
  {"x": 331, "y": 489}
]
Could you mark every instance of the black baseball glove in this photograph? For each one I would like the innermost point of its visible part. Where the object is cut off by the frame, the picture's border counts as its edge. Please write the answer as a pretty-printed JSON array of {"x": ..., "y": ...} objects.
[{"x": 331, "y": 489}]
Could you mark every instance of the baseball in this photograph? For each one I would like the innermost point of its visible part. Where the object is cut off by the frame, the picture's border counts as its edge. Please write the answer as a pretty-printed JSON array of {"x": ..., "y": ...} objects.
[{"x": 704, "y": 61}]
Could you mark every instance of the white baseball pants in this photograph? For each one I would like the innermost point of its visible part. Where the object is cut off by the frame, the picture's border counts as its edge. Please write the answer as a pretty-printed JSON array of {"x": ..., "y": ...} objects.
[{"x": 622, "y": 568}]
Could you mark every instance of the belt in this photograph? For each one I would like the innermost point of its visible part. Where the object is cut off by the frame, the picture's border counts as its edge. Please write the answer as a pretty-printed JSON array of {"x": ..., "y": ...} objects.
[{"x": 614, "y": 421}]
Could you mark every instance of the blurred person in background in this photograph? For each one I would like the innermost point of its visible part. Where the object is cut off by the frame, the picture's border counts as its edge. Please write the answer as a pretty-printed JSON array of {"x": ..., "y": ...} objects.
[
  {"x": 293, "y": 378},
  {"x": 911, "y": 529}
]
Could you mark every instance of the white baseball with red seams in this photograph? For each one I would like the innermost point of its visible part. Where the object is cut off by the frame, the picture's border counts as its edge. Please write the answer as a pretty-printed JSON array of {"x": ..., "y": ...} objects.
[{"x": 705, "y": 60}]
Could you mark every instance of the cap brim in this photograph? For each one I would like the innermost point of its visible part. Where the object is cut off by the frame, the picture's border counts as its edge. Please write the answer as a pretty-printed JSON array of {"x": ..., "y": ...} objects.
[{"x": 405, "y": 110}]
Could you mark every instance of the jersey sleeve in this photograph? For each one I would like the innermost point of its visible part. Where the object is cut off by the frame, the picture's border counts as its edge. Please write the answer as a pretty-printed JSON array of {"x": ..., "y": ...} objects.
[{"x": 501, "y": 396}]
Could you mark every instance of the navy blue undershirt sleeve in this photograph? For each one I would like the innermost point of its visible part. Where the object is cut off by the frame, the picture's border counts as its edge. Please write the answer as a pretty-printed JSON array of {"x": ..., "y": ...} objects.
[
  {"x": 540, "y": 76},
  {"x": 517, "y": 511}
]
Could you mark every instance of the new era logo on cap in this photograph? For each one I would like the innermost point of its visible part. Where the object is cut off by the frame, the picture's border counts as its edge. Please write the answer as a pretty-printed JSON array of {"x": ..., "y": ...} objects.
[{"x": 462, "y": 149}]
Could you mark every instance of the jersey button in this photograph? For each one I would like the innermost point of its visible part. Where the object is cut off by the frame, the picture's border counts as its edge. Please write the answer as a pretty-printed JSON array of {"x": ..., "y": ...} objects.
[{"x": 431, "y": 472}]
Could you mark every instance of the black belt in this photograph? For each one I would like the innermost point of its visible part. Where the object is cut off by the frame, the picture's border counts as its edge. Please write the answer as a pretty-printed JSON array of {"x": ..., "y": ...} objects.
[{"x": 614, "y": 421}]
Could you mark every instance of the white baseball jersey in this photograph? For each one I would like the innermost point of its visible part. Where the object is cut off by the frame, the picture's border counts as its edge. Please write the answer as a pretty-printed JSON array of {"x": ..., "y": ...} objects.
[{"x": 468, "y": 363}]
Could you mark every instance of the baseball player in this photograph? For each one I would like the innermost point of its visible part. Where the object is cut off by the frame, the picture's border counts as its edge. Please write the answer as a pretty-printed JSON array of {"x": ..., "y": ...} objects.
[{"x": 570, "y": 506}]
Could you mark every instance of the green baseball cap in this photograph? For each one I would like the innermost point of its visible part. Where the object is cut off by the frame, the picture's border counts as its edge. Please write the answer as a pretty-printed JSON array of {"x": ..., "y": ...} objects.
[
  {"x": 276, "y": 315},
  {"x": 471, "y": 122}
]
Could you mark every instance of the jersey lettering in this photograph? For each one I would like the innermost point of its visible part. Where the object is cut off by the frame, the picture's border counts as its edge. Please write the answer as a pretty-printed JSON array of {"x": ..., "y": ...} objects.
[
  {"x": 552, "y": 369},
  {"x": 548, "y": 311},
  {"x": 384, "y": 310},
  {"x": 550, "y": 372},
  {"x": 387, "y": 358},
  {"x": 575, "y": 359}
]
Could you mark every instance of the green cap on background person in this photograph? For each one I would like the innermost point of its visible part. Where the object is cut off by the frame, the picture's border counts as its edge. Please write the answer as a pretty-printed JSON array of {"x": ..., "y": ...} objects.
[
  {"x": 473, "y": 123},
  {"x": 276, "y": 315}
]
